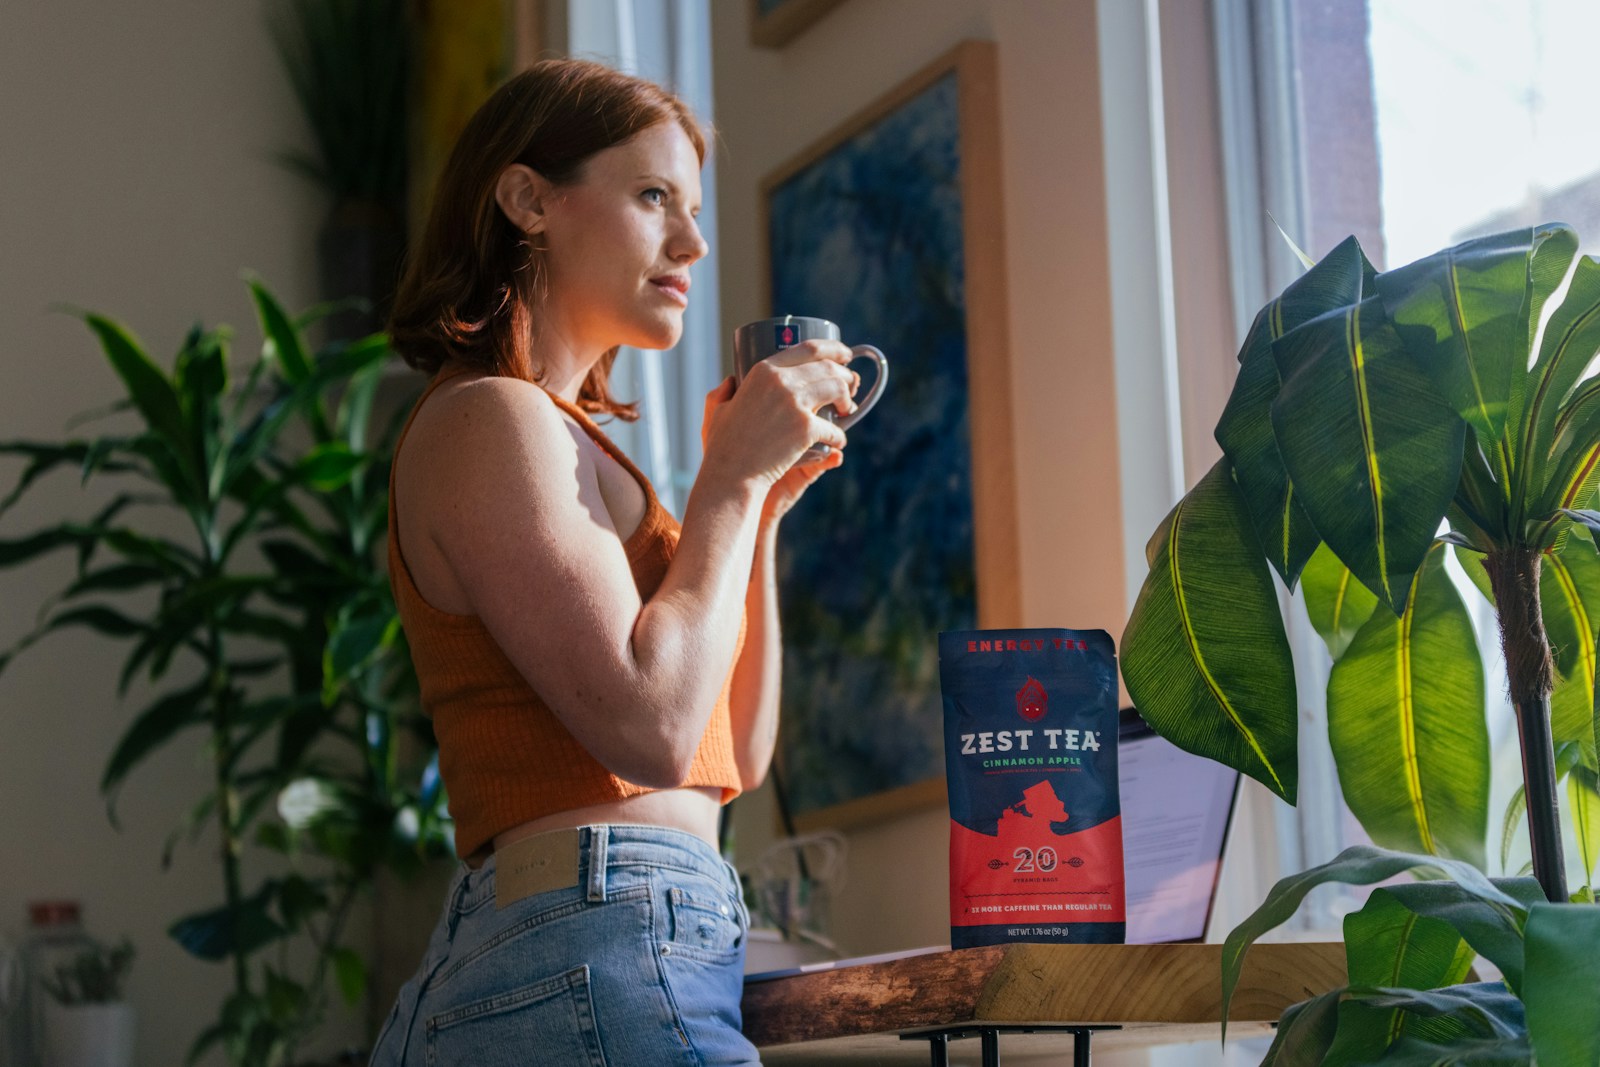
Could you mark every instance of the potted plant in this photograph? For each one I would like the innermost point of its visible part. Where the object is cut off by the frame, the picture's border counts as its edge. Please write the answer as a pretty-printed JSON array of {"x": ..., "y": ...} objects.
[
  {"x": 86, "y": 1022},
  {"x": 268, "y": 621},
  {"x": 1379, "y": 421}
]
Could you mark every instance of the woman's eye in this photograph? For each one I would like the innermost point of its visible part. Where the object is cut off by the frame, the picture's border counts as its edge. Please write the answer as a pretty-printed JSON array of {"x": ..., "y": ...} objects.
[{"x": 655, "y": 196}]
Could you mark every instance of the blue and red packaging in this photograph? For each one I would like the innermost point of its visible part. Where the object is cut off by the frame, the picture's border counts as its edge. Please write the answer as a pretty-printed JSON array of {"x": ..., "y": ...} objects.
[{"x": 1030, "y": 734}]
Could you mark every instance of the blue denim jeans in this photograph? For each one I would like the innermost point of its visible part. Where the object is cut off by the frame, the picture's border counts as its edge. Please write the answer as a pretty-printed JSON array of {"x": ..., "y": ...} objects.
[{"x": 640, "y": 962}]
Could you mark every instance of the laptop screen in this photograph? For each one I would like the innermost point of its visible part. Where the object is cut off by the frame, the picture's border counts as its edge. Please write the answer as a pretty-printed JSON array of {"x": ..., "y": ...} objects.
[{"x": 1176, "y": 809}]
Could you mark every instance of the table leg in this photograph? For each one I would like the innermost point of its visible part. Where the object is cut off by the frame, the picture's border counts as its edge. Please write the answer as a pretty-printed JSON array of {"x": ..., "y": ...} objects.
[{"x": 989, "y": 1036}]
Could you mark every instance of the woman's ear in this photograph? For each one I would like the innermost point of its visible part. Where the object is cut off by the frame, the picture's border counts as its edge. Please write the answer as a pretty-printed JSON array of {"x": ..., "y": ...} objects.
[{"x": 523, "y": 195}]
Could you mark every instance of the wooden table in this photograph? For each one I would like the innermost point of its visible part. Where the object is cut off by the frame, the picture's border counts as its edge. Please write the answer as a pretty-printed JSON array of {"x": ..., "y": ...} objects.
[{"x": 1151, "y": 994}]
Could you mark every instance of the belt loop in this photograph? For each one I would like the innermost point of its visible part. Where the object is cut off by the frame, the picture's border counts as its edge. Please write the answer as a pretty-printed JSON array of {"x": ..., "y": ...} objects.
[{"x": 598, "y": 836}]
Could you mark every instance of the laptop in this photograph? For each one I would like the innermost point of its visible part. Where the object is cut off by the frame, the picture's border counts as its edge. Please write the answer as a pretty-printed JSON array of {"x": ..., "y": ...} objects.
[{"x": 1177, "y": 809}]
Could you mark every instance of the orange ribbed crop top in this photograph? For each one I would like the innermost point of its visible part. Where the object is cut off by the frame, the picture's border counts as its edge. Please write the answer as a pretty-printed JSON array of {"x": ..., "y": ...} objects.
[{"x": 503, "y": 754}]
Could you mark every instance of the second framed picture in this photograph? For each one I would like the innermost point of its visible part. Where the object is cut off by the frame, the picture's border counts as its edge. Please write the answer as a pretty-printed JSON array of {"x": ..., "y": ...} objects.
[{"x": 892, "y": 228}]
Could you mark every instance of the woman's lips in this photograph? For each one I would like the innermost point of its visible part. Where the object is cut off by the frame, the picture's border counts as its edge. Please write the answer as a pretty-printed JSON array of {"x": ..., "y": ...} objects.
[{"x": 676, "y": 289}]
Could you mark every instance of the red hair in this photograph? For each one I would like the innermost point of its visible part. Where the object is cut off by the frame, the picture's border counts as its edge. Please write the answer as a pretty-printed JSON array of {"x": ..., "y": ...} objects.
[{"x": 472, "y": 284}]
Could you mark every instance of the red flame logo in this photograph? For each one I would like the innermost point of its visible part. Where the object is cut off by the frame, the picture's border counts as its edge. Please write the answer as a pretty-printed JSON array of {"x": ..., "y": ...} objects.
[
  {"x": 1032, "y": 700},
  {"x": 788, "y": 335}
]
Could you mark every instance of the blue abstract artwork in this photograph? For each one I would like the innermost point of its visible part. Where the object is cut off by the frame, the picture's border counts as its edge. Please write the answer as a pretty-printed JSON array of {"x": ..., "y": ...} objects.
[{"x": 878, "y": 558}]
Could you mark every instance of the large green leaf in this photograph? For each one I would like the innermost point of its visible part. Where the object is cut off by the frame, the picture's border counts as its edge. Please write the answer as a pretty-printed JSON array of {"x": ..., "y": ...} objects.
[
  {"x": 1583, "y": 794},
  {"x": 201, "y": 380},
  {"x": 1357, "y": 865},
  {"x": 1555, "y": 249},
  {"x": 282, "y": 340},
  {"x": 1305, "y": 1031},
  {"x": 1204, "y": 652},
  {"x": 152, "y": 728},
  {"x": 1488, "y": 926},
  {"x": 1336, "y": 602},
  {"x": 1406, "y": 722},
  {"x": 1574, "y": 462},
  {"x": 1569, "y": 342},
  {"x": 1569, "y": 598},
  {"x": 1245, "y": 429},
  {"x": 1486, "y": 1007},
  {"x": 150, "y": 390},
  {"x": 1463, "y": 313},
  {"x": 1373, "y": 451},
  {"x": 1388, "y": 944},
  {"x": 1562, "y": 979},
  {"x": 1459, "y": 1052},
  {"x": 328, "y": 467}
]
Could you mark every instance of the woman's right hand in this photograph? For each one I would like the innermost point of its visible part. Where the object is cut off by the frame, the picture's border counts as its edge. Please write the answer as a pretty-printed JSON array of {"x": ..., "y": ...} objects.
[{"x": 758, "y": 429}]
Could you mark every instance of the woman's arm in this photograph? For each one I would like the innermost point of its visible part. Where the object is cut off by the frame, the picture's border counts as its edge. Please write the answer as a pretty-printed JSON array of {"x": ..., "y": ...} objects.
[
  {"x": 517, "y": 513},
  {"x": 753, "y": 700}
]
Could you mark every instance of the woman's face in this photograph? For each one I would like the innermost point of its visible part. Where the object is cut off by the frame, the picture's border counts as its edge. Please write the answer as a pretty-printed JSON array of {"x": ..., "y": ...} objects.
[{"x": 619, "y": 242}]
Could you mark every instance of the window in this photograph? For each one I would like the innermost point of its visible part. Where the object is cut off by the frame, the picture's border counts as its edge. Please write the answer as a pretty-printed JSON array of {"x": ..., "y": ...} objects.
[
  {"x": 668, "y": 42},
  {"x": 1413, "y": 124}
]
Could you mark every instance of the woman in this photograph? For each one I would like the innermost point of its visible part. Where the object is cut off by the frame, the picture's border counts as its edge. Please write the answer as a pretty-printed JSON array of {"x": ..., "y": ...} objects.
[{"x": 601, "y": 681}]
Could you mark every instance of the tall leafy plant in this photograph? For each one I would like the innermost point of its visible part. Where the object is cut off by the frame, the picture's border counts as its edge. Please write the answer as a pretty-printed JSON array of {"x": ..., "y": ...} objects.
[
  {"x": 1378, "y": 422},
  {"x": 269, "y": 626}
]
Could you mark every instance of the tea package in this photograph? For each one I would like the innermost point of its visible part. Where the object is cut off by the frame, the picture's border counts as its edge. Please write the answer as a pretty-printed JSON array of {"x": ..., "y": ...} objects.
[{"x": 1030, "y": 735}]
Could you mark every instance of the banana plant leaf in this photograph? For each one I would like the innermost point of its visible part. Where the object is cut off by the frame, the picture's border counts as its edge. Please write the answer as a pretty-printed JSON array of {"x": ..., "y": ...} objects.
[
  {"x": 1569, "y": 593},
  {"x": 1336, "y": 601},
  {"x": 1406, "y": 722},
  {"x": 1205, "y": 656},
  {"x": 1464, "y": 312},
  {"x": 1373, "y": 451},
  {"x": 1245, "y": 429},
  {"x": 1568, "y": 343},
  {"x": 1563, "y": 975},
  {"x": 1388, "y": 944},
  {"x": 1583, "y": 796},
  {"x": 1357, "y": 865}
]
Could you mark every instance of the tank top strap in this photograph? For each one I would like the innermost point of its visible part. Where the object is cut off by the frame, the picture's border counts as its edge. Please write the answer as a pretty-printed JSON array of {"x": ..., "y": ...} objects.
[{"x": 657, "y": 521}]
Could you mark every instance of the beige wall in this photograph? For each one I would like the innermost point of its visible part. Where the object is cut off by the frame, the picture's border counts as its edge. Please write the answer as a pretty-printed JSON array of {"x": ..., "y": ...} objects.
[
  {"x": 770, "y": 105},
  {"x": 136, "y": 178}
]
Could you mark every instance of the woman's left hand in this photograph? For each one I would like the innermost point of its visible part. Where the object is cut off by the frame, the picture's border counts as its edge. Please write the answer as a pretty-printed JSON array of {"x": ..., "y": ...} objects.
[{"x": 793, "y": 485}]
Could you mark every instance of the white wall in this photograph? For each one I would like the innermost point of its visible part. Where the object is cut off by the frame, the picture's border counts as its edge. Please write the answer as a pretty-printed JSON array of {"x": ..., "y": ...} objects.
[{"x": 136, "y": 179}]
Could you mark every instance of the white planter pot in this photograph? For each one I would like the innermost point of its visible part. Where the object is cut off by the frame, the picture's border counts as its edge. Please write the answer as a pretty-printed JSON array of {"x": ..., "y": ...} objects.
[{"x": 88, "y": 1035}]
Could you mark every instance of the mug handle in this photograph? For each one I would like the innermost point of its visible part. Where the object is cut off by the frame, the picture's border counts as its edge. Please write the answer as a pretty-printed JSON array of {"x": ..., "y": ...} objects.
[{"x": 864, "y": 405}]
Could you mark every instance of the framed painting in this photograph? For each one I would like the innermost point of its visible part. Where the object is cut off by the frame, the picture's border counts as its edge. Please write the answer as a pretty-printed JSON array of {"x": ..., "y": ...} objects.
[
  {"x": 774, "y": 22},
  {"x": 892, "y": 227}
]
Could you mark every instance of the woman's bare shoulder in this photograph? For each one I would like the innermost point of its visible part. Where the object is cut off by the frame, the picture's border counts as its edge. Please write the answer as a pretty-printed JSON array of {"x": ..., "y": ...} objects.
[{"x": 490, "y": 421}]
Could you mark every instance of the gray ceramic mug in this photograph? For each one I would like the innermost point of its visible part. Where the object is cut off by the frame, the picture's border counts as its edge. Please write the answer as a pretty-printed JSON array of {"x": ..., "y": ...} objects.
[{"x": 755, "y": 341}]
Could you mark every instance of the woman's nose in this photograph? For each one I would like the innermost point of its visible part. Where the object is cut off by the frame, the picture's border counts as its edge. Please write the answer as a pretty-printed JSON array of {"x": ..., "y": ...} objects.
[{"x": 690, "y": 244}]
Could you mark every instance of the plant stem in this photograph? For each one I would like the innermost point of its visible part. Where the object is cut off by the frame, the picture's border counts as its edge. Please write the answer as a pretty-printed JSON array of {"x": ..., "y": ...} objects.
[
  {"x": 1514, "y": 574},
  {"x": 227, "y": 818}
]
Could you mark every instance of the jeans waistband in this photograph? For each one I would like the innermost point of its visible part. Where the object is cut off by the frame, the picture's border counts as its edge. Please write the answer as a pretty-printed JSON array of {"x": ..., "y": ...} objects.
[{"x": 581, "y": 856}]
